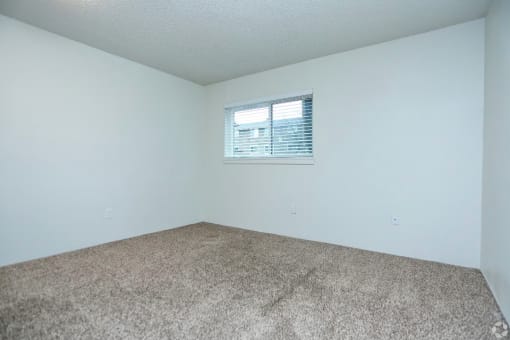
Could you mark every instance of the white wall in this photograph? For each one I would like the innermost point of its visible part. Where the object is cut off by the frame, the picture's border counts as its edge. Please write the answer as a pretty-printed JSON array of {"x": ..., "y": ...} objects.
[
  {"x": 495, "y": 260},
  {"x": 82, "y": 130},
  {"x": 398, "y": 131}
]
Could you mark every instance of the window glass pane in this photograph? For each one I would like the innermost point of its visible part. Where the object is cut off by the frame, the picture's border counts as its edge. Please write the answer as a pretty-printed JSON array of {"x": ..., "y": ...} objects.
[
  {"x": 291, "y": 129},
  {"x": 251, "y": 116},
  {"x": 288, "y": 110},
  {"x": 250, "y": 139}
]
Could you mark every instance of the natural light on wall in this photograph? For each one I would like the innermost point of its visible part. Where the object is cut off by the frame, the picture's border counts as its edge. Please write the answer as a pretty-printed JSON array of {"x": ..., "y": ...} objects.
[{"x": 270, "y": 130}]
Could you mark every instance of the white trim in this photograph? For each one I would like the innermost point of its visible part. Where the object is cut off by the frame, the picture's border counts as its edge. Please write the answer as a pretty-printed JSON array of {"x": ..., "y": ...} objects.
[
  {"x": 268, "y": 99},
  {"x": 270, "y": 160}
]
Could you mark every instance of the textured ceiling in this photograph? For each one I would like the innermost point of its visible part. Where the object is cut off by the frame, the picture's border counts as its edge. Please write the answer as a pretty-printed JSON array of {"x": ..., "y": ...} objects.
[{"x": 210, "y": 41}]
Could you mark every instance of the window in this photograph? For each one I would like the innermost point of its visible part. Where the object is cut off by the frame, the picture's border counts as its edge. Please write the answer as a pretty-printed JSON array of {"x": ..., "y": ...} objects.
[{"x": 270, "y": 129}]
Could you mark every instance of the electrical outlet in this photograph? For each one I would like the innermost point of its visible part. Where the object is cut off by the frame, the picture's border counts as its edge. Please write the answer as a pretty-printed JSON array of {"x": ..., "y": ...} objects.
[
  {"x": 293, "y": 209},
  {"x": 395, "y": 220},
  {"x": 108, "y": 213}
]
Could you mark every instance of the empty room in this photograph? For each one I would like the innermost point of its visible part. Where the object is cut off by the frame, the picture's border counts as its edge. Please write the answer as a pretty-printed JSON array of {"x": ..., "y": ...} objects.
[{"x": 233, "y": 169}]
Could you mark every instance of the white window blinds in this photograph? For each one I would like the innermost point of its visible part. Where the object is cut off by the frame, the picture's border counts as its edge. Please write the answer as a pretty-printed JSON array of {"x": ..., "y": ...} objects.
[{"x": 279, "y": 128}]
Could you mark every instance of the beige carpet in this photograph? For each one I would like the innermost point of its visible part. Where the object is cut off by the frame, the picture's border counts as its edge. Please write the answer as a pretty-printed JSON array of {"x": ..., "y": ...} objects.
[{"x": 206, "y": 281}]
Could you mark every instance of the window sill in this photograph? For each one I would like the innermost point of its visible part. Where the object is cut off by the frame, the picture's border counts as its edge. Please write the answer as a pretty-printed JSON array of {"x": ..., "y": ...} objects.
[{"x": 283, "y": 161}]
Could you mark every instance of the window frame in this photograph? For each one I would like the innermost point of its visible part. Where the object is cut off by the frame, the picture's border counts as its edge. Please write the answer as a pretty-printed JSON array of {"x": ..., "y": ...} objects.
[{"x": 288, "y": 160}]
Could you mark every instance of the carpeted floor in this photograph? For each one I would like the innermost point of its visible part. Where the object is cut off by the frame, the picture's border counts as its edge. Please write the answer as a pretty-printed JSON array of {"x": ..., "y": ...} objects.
[{"x": 206, "y": 281}]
